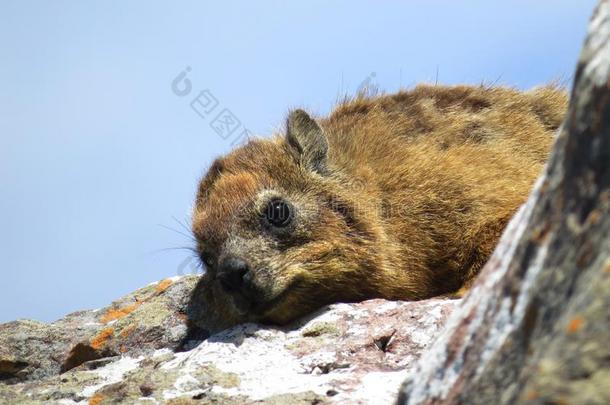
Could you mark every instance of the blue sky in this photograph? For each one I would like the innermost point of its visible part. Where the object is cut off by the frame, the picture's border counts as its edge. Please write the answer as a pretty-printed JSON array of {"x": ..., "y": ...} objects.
[{"x": 98, "y": 155}]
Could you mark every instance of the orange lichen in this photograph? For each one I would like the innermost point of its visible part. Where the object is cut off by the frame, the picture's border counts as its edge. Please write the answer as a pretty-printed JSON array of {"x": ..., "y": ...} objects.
[
  {"x": 123, "y": 349},
  {"x": 96, "y": 399},
  {"x": 594, "y": 217},
  {"x": 117, "y": 313},
  {"x": 163, "y": 284},
  {"x": 101, "y": 338},
  {"x": 114, "y": 314},
  {"x": 575, "y": 324},
  {"x": 127, "y": 331},
  {"x": 531, "y": 395},
  {"x": 607, "y": 268}
]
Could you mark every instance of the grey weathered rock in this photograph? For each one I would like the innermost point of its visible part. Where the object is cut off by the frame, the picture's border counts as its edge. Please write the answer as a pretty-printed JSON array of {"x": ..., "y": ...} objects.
[
  {"x": 536, "y": 327},
  {"x": 133, "y": 351},
  {"x": 150, "y": 318}
]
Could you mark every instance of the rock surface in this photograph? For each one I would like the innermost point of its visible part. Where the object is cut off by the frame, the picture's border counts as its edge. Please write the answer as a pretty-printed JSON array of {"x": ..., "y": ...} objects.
[
  {"x": 148, "y": 319},
  {"x": 140, "y": 349},
  {"x": 536, "y": 327}
]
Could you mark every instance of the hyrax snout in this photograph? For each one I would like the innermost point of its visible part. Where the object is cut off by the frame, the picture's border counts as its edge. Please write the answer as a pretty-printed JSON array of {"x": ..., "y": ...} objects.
[{"x": 400, "y": 196}]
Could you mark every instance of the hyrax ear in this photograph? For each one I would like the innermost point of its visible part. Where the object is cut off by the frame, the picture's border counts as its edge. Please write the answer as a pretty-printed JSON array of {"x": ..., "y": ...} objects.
[{"x": 305, "y": 137}]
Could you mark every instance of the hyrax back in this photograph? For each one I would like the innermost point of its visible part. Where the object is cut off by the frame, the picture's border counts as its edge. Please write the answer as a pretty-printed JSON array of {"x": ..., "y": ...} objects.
[{"x": 401, "y": 197}]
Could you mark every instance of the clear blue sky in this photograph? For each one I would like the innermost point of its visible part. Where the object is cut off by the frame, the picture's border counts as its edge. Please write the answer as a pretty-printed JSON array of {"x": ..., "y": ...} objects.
[{"x": 97, "y": 154}]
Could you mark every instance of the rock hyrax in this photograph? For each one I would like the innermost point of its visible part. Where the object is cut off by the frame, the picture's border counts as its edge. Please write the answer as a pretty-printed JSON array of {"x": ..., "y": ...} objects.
[{"x": 399, "y": 196}]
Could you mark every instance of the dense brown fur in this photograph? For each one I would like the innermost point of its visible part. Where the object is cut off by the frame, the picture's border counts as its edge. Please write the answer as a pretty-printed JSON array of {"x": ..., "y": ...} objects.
[{"x": 408, "y": 201}]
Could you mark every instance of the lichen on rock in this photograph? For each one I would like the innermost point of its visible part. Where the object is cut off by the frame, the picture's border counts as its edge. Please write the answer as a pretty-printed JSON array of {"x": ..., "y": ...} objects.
[
  {"x": 535, "y": 328},
  {"x": 134, "y": 350}
]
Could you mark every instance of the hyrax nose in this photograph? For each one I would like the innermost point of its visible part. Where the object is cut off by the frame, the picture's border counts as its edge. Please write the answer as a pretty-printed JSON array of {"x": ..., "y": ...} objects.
[{"x": 232, "y": 272}]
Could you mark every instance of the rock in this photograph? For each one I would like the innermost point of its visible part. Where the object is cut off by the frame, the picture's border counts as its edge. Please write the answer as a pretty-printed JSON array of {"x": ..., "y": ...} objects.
[
  {"x": 148, "y": 319},
  {"x": 142, "y": 348},
  {"x": 536, "y": 326}
]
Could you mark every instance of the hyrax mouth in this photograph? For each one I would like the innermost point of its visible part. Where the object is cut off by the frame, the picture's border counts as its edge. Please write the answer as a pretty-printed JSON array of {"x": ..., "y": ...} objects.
[
  {"x": 255, "y": 304},
  {"x": 236, "y": 279}
]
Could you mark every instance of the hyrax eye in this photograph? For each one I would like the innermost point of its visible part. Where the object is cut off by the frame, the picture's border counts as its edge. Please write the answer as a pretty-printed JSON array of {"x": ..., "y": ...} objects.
[{"x": 279, "y": 213}]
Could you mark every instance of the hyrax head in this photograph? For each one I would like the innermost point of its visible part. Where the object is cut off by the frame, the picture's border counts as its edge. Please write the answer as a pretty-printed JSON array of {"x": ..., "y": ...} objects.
[{"x": 279, "y": 231}]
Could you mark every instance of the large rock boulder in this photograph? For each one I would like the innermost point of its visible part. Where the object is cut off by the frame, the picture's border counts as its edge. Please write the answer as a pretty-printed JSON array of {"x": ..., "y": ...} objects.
[
  {"x": 151, "y": 318},
  {"x": 144, "y": 348},
  {"x": 536, "y": 327}
]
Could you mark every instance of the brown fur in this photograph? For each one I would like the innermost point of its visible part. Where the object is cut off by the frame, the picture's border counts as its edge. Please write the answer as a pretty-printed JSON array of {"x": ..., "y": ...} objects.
[{"x": 408, "y": 202}]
